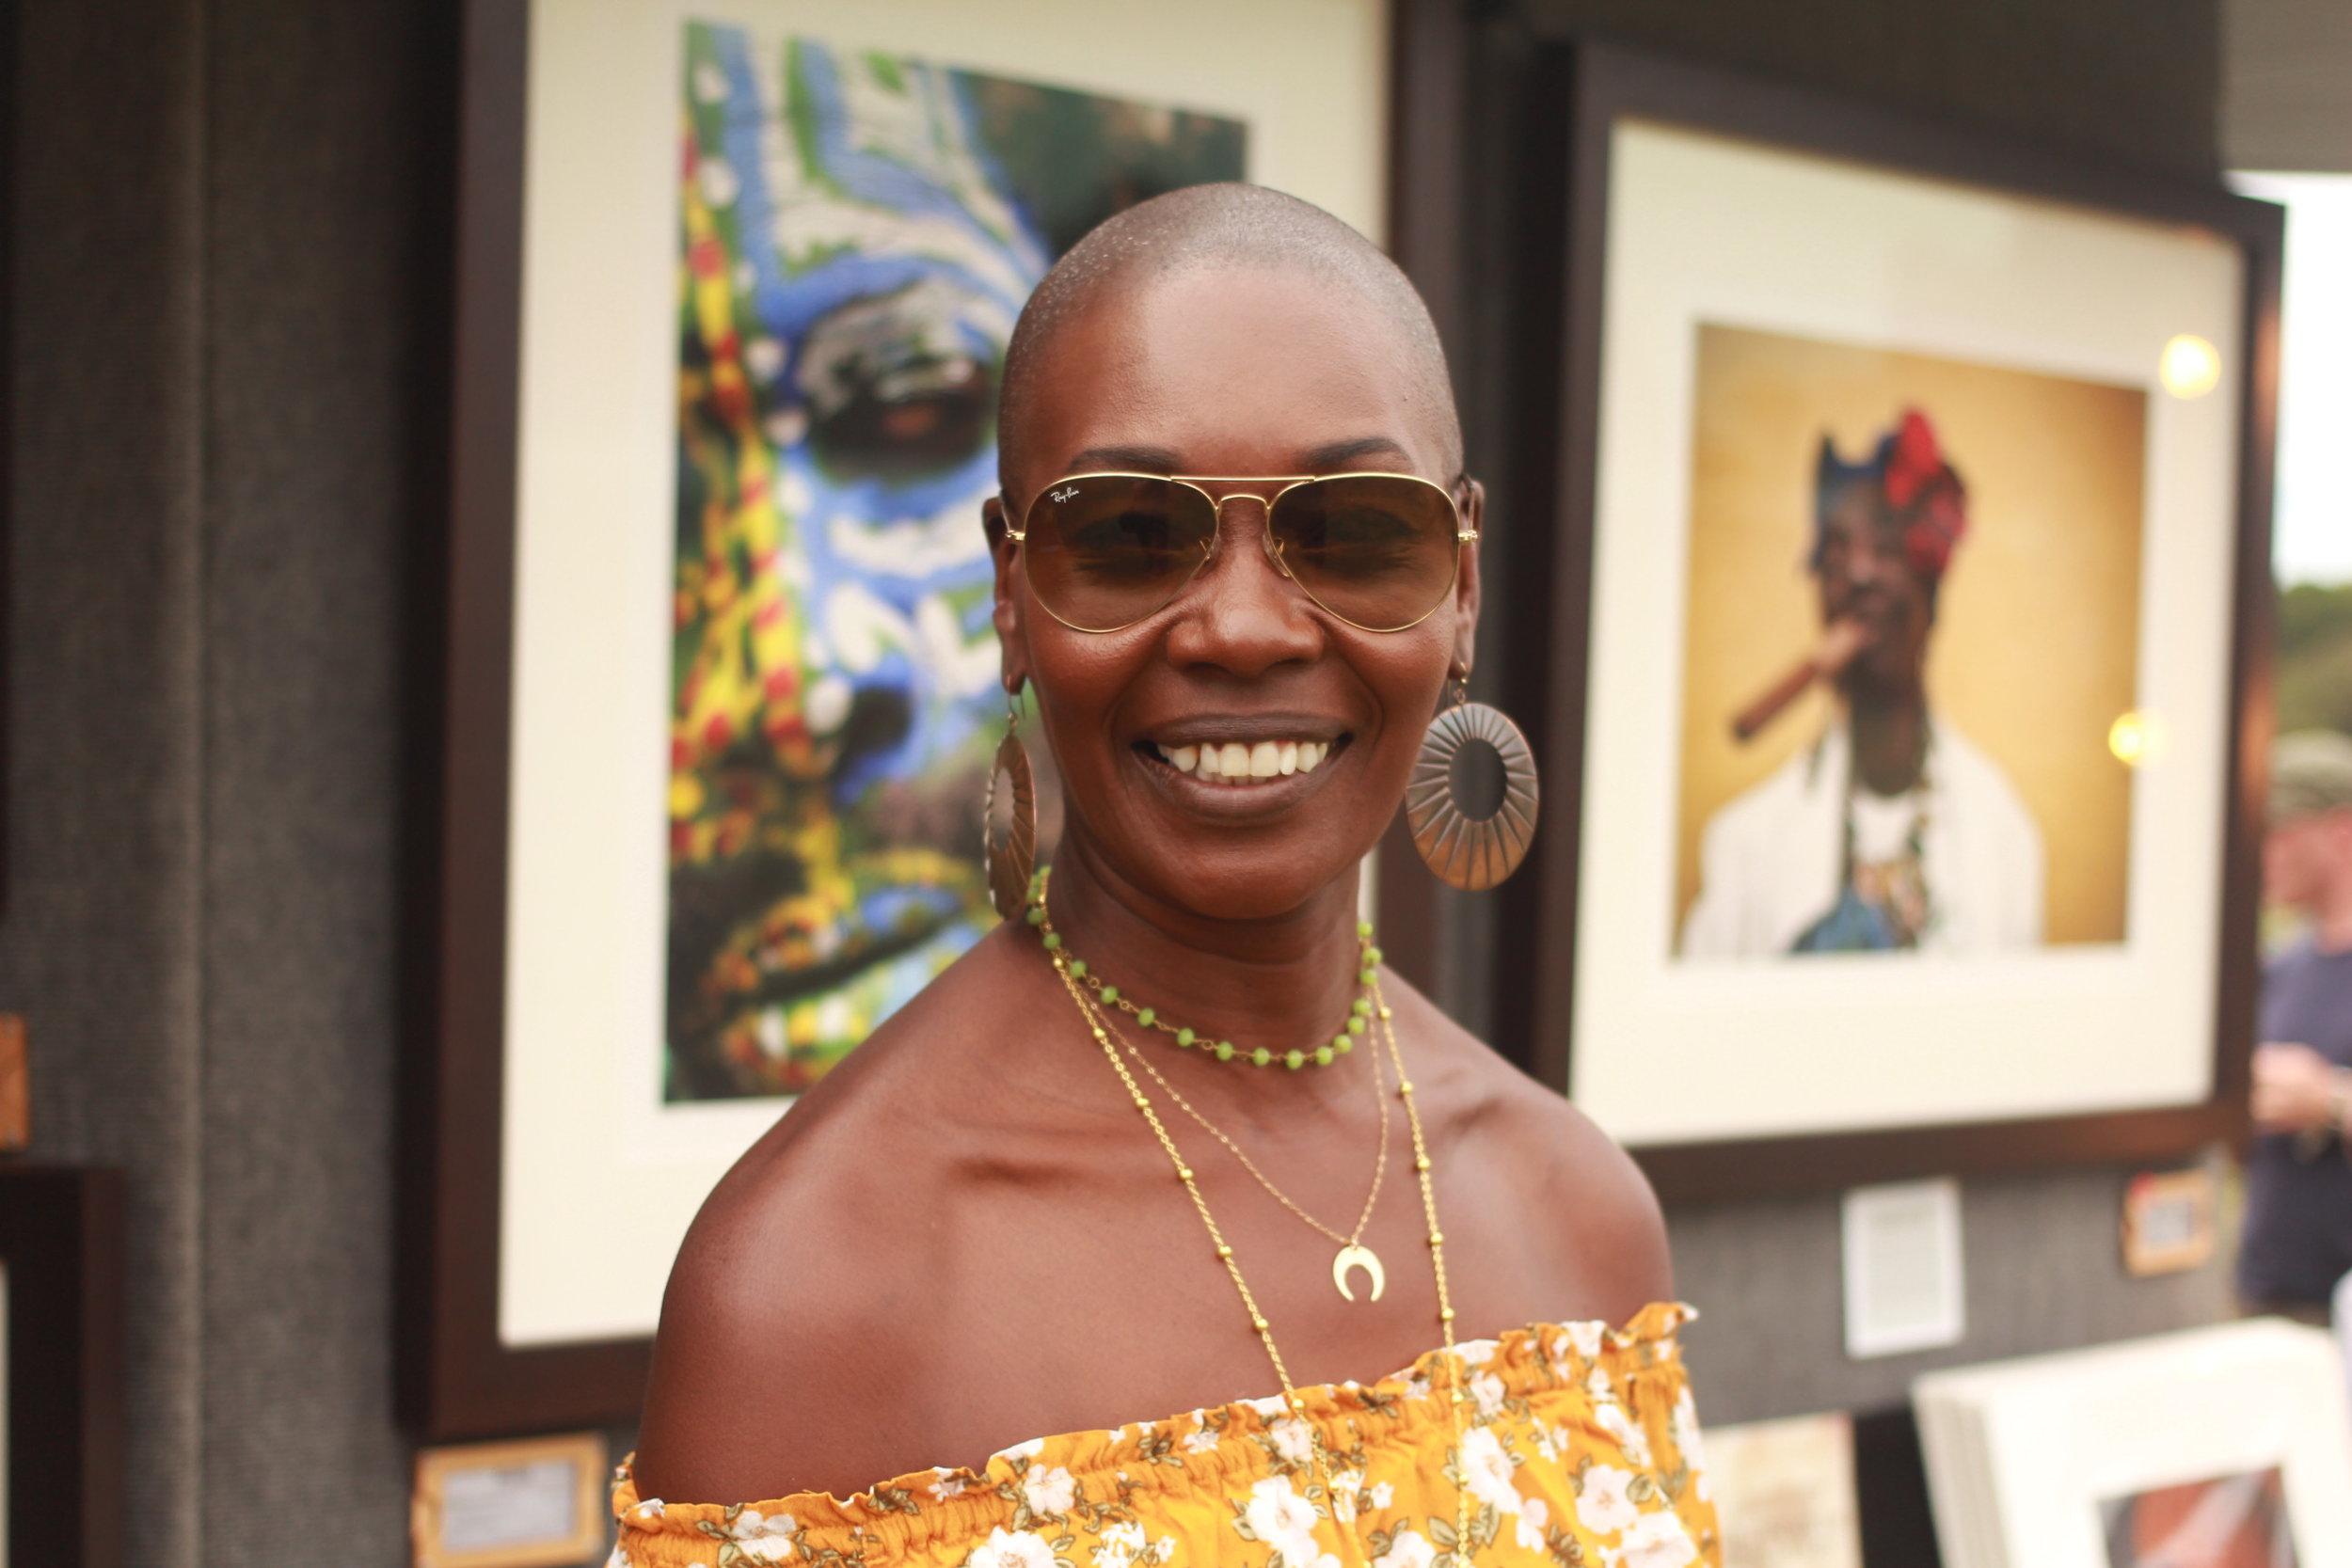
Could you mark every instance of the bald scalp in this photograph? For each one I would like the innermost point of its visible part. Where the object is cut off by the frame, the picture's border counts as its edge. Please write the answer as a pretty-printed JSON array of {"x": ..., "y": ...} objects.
[{"x": 1203, "y": 227}]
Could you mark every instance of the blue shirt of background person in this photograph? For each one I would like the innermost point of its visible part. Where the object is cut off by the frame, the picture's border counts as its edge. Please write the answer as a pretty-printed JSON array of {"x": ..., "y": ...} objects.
[{"x": 2297, "y": 1240}]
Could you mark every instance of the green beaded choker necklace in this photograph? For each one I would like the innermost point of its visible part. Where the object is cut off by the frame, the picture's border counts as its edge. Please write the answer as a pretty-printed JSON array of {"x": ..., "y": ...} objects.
[{"x": 1342, "y": 1042}]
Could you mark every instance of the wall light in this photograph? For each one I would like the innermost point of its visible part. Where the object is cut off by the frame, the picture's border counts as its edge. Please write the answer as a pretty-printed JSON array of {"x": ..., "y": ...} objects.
[
  {"x": 2137, "y": 738},
  {"x": 2190, "y": 367}
]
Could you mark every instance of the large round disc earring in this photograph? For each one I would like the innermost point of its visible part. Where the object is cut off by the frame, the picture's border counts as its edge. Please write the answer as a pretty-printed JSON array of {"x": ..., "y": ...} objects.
[
  {"x": 1471, "y": 801},
  {"x": 1011, "y": 857}
]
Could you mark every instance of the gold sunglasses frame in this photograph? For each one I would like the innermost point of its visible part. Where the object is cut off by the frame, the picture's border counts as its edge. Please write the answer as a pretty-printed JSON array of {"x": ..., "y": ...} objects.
[{"x": 1463, "y": 537}]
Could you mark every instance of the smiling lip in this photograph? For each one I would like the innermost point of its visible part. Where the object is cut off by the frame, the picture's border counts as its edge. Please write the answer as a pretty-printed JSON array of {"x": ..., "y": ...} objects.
[{"x": 1240, "y": 798}]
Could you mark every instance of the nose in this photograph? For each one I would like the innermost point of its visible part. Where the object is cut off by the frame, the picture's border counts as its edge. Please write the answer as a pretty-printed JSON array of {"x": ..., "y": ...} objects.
[
  {"x": 1244, "y": 614},
  {"x": 1867, "y": 559}
]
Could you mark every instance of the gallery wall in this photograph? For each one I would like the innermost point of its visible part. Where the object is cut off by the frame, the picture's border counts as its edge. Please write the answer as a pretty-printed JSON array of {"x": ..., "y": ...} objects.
[
  {"x": 2284, "y": 107},
  {"x": 224, "y": 334},
  {"x": 229, "y": 328}
]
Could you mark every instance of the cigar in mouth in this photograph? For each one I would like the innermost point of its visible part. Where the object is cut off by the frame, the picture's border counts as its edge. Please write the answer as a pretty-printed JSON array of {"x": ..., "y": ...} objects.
[{"x": 1839, "y": 642}]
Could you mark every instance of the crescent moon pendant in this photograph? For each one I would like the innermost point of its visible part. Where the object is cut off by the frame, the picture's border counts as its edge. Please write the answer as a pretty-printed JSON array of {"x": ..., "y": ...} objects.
[{"x": 1356, "y": 1257}]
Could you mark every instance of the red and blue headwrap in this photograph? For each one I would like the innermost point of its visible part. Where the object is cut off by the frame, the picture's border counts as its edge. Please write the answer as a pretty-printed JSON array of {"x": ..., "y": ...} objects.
[{"x": 1914, "y": 486}]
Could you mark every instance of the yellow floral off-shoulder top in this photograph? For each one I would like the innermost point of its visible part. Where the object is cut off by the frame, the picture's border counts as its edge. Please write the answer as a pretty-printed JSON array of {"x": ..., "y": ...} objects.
[{"x": 1579, "y": 1449}]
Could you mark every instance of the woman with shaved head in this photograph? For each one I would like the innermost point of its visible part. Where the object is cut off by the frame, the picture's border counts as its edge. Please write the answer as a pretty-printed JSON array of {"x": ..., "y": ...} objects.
[{"x": 1072, "y": 1264}]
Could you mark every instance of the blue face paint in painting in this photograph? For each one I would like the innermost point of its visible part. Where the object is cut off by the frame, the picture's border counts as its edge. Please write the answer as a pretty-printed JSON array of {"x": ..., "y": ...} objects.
[{"x": 852, "y": 272}]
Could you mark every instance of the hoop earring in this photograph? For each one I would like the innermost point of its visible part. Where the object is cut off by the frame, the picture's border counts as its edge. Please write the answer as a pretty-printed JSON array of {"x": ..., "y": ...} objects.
[
  {"x": 1011, "y": 862},
  {"x": 1476, "y": 842}
]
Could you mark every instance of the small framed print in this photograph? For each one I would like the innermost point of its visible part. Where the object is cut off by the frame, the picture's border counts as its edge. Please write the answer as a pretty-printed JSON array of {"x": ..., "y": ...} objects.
[
  {"x": 63, "y": 1403},
  {"x": 538, "y": 1503},
  {"x": 1785, "y": 1492},
  {"x": 16, "y": 1089},
  {"x": 2168, "y": 1222}
]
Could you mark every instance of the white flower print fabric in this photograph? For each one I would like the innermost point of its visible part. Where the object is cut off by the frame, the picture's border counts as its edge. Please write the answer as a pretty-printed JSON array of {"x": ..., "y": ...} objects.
[{"x": 1579, "y": 1449}]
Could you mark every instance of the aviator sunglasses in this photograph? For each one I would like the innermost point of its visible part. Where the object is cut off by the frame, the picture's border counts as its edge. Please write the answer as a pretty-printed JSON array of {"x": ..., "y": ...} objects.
[{"x": 1104, "y": 551}]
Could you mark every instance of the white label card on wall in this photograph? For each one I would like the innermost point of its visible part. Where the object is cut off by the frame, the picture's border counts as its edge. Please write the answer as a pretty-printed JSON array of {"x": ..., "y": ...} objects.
[{"x": 1905, "y": 1290}]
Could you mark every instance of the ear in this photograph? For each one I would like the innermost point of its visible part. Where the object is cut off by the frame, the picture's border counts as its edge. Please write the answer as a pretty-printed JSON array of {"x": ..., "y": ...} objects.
[
  {"x": 1012, "y": 638},
  {"x": 1465, "y": 579}
]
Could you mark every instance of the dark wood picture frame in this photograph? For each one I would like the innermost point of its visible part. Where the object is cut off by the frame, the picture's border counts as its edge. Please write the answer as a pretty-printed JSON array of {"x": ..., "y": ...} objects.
[
  {"x": 61, "y": 1241},
  {"x": 9, "y": 95},
  {"x": 456, "y": 1380},
  {"x": 1586, "y": 91}
]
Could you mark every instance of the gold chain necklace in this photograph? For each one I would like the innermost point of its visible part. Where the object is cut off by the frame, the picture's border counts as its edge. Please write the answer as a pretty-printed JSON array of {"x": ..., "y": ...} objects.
[
  {"x": 1099, "y": 1024},
  {"x": 1353, "y": 1254}
]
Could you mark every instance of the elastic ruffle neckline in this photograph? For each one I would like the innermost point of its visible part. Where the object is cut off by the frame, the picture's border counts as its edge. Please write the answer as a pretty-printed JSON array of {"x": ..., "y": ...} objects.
[{"x": 943, "y": 1500}]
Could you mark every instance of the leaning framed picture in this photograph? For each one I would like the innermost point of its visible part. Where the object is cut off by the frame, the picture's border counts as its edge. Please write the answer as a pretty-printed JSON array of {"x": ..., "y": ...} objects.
[
  {"x": 1907, "y": 673},
  {"x": 63, "y": 1403},
  {"x": 2221, "y": 1445},
  {"x": 719, "y": 686}
]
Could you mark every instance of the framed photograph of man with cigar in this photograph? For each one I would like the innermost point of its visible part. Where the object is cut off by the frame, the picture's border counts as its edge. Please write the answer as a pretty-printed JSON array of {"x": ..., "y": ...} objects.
[{"x": 1915, "y": 529}]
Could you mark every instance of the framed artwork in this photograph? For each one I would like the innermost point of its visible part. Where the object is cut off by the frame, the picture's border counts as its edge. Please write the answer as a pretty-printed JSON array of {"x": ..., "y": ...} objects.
[
  {"x": 62, "y": 1404},
  {"x": 1907, "y": 678},
  {"x": 1785, "y": 1492},
  {"x": 720, "y": 685},
  {"x": 2223, "y": 1446}
]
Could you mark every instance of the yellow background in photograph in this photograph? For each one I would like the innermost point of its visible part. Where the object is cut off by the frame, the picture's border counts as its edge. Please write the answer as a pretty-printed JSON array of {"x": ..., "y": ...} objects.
[{"x": 2034, "y": 652}]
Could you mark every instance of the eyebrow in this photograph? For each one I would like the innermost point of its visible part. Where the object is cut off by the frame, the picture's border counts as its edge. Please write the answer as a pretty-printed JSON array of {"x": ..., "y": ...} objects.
[
  {"x": 1164, "y": 460},
  {"x": 1336, "y": 452},
  {"x": 1145, "y": 460}
]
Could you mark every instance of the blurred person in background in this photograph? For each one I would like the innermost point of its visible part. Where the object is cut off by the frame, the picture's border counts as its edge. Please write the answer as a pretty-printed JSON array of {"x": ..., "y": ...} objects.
[{"x": 2297, "y": 1242}]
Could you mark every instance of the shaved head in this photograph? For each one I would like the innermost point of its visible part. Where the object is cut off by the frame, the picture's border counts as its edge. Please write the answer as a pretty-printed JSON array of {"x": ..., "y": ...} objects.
[{"x": 1203, "y": 228}]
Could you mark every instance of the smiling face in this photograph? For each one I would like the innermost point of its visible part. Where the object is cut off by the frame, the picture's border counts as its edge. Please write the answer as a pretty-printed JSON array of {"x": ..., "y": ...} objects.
[{"x": 1230, "y": 371}]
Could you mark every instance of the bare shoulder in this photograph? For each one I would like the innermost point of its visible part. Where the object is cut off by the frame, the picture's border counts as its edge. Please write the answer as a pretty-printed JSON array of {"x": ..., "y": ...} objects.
[
  {"x": 1607, "y": 1216},
  {"x": 783, "y": 1320},
  {"x": 1599, "y": 1225},
  {"x": 769, "y": 1327}
]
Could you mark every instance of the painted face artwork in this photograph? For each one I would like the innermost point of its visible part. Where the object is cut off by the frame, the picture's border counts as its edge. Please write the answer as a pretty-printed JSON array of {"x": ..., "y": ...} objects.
[{"x": 856, "y": 241}]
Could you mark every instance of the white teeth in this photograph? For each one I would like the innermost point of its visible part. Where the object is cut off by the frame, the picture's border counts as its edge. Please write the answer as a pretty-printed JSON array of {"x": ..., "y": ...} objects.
[{"x": 1233, "y": 763}]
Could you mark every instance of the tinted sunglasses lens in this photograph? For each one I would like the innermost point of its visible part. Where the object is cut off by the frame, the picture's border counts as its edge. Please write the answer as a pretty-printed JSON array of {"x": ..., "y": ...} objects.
[
  {"x": 1376, "y": 549},
  {"x": 1106, "y": 550}
]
